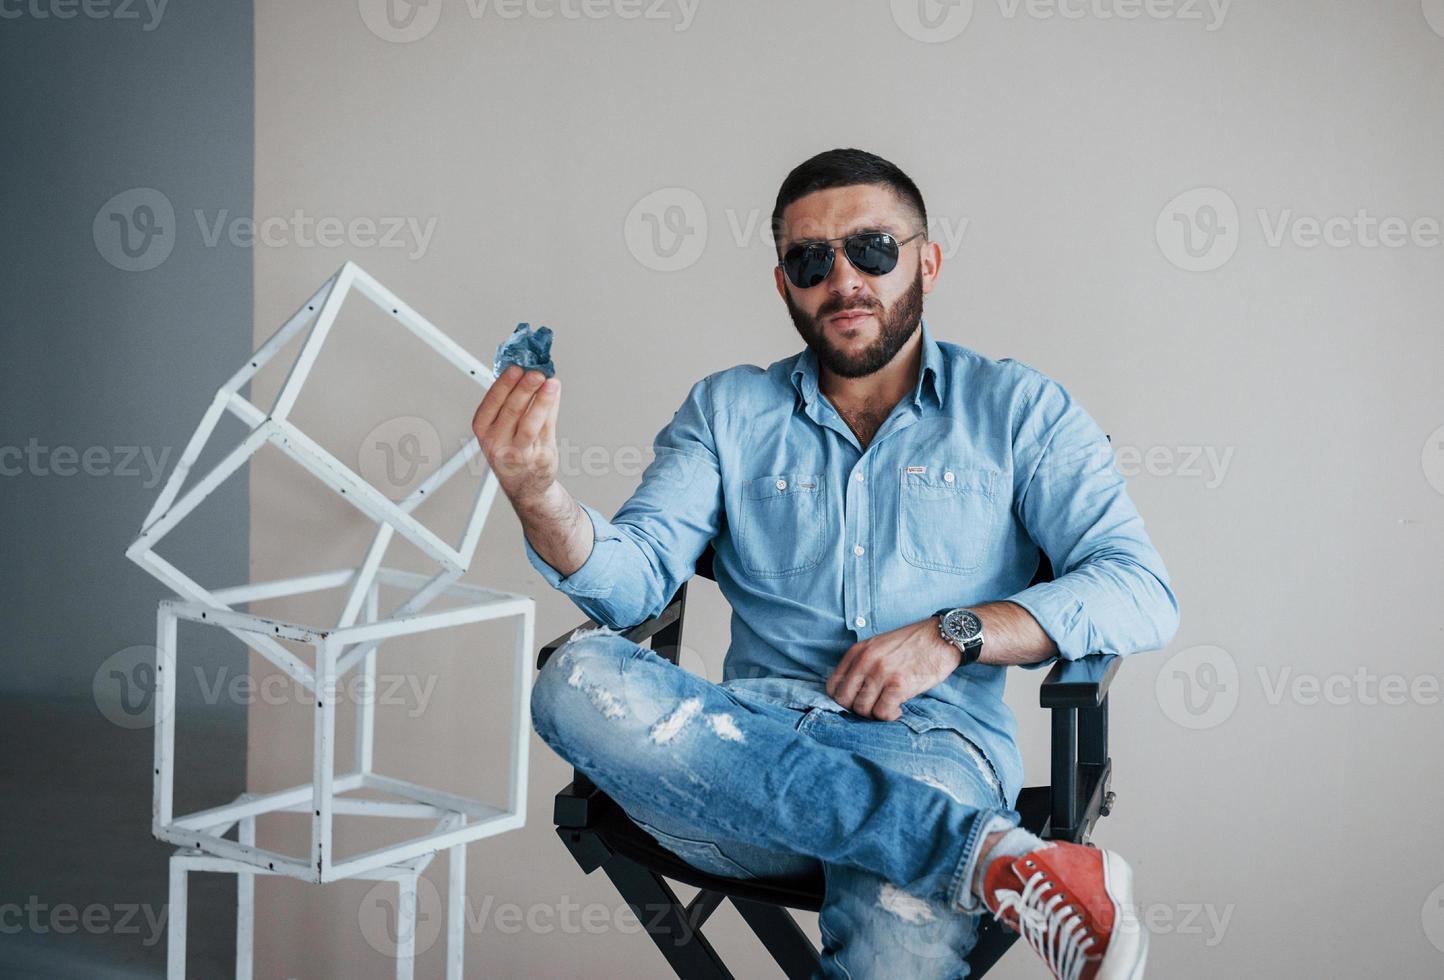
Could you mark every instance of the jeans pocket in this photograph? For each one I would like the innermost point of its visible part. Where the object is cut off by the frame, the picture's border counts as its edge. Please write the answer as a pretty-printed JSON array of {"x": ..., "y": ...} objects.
[
  {"x": 782, "y": 523},
  {"x": 945, "y": 516},
  {"x": 920, "y": 723},
  {"x": 704, "y": 855}
]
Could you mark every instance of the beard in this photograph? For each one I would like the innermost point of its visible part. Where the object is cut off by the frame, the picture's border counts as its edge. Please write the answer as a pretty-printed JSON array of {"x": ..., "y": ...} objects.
[{"x": 895, "y": 325}]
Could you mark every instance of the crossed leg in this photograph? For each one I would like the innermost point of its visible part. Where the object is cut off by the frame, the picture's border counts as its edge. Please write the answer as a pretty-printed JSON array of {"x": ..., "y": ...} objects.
[{"x": 742, "y": 787}]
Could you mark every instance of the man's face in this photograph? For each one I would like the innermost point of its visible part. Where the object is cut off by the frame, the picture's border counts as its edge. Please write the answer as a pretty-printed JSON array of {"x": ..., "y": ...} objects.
[{"x": 856, "y": 323}]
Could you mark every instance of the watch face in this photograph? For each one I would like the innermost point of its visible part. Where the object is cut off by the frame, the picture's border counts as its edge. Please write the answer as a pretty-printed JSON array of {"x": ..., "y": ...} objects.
[{"x": 963, "y": 625}]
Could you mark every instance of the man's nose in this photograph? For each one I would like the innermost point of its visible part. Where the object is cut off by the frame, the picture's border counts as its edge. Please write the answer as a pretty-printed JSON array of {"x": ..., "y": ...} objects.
[{"x": 844, "y": 279}]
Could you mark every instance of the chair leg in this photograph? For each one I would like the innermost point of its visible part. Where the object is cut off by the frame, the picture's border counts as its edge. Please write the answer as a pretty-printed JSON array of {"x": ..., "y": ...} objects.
[
  {"x": 688, "y": 952},
  {"x": 994, "y": 939},
  {"x": 780, "y": 933}
]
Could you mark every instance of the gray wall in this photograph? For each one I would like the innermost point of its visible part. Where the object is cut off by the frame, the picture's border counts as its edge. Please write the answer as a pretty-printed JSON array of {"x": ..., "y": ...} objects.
[{"x": 105, "y": 371}]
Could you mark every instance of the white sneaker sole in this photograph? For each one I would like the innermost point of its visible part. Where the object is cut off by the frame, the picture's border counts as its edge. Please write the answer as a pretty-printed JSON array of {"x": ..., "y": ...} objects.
[{"x": 1128, "y": 946}]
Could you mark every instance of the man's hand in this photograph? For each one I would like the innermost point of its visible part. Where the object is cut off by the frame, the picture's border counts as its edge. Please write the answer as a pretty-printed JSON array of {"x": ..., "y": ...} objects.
[
  {"x": 876, "y": 675},
  {"x": 516, "y": 425}
]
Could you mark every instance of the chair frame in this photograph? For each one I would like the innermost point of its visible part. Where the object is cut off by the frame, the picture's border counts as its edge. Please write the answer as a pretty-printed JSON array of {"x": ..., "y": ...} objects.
[{"x": 599, "y": 833}]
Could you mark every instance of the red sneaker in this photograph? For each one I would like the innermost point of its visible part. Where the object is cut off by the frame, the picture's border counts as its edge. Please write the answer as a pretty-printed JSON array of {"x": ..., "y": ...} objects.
[{"x": 1074, "y": 905}]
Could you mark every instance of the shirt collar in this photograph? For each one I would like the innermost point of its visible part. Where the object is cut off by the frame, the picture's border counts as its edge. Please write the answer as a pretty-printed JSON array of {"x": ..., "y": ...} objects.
[{"x": 930, "y": 375}]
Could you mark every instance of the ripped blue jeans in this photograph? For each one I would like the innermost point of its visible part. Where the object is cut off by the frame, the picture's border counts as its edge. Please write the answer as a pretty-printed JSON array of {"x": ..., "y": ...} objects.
[{"x": 747, "y": 787}]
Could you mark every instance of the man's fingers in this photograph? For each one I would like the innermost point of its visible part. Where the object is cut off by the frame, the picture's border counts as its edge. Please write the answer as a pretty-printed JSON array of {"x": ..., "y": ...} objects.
[
  {"x": 839, "y": 673},
  {"x": 495, "y": 396},
  {"x": 548, "y": 434},
  {"x": 515, "y": 405},
  {"x": 529, "y": 426}
]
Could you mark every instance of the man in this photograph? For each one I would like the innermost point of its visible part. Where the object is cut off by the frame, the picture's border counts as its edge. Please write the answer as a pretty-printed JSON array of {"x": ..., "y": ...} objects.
[{"x": 877, "y": 504}]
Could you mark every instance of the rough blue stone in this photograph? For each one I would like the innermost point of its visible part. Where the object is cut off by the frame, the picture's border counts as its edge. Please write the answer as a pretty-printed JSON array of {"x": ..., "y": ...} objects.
[{"x": 531, "y": 350}]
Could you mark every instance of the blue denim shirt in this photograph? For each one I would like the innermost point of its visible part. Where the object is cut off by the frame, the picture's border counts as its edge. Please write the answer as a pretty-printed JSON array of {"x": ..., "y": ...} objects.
[{"x": 820, "y": 543}]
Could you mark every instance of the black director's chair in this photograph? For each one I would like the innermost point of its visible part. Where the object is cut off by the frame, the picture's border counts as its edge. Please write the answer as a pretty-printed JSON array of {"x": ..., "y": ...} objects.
[{"x": 600, "y": 835}]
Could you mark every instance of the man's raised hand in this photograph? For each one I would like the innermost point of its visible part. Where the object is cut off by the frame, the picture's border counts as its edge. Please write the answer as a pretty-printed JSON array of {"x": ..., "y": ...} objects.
[{"x": 516, "y": 426}]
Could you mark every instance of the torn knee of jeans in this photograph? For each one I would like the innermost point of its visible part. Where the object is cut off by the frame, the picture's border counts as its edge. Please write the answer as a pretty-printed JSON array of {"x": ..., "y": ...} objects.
[
  {"x": 601, "y": 697},
  {"x": 667, "y": 727},
  {"x": 602, "y": 630},
  {"x": 725, "y": 726},
  {"x": 909, "y": 908}
]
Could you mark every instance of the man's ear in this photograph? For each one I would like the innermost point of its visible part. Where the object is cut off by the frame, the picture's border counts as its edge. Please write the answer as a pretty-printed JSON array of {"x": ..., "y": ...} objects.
[
  {"x": 781, "y": 282},
  {"x": 930, "y": 256}
]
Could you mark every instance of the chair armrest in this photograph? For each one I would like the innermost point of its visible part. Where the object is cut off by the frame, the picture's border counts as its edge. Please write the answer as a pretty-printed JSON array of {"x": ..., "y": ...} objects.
[
  {"x": 1079, "y": 683},
  {"x": 642, "y": 631}
]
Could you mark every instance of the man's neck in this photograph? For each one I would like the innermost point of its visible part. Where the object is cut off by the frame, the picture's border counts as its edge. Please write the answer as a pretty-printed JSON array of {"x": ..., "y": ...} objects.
[{"x": 881, "y": 390}]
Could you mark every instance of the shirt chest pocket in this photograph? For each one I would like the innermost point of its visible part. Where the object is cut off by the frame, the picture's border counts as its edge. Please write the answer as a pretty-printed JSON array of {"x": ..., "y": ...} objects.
[
  {"x": 782, "y": 524},
  {"x": 946, "y": 515}
]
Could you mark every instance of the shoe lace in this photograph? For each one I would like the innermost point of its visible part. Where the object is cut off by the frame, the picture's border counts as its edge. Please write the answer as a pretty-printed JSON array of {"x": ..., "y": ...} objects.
[{"x": 1055, "y": 929}]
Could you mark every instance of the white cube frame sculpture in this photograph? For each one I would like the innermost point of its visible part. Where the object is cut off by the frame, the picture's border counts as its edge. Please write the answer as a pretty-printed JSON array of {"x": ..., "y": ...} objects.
[
  {"x": 393, "y": 517},
  {"x": 405, "y": 874},
  {"x": 337, "y": 652}
]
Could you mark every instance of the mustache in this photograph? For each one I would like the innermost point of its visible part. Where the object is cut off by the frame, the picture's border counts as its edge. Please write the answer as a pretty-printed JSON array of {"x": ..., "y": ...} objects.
[{"x": 838, "y": 306}]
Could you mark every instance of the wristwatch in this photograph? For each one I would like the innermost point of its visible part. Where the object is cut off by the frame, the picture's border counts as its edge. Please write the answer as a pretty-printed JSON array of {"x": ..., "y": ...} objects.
[{"x": 963, "y": 629}]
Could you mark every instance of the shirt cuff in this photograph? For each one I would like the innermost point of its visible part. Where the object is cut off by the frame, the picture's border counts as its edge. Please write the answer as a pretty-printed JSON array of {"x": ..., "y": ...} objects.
[
  {"x": 593, "y": 579},
  {"x": 1061, "y": 615}
]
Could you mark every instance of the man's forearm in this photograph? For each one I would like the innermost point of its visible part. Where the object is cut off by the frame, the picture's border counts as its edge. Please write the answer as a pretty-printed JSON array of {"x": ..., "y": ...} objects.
[
  {"x": 557, "y": 528},
  {"x": 1011, "y": 635}
]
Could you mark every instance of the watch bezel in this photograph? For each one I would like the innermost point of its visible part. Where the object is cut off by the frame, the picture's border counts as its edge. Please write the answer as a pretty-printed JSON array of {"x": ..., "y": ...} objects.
[{"x": 957, "y": 615}]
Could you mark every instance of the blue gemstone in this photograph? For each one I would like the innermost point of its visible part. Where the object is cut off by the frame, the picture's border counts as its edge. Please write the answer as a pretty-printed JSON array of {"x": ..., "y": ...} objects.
[{"x": 532, "y": 350}]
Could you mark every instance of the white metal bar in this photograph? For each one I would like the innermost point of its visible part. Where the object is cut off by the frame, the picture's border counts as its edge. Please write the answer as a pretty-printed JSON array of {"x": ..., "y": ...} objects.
[
  {"x": 246, "y": 907},
  {"x": 366, "y": 713},
  {"x": 261, "y": 857},
  {"x": 175, "y": 946},
  {"x": 262, "y": 644},
  {"x": 454, "y": 353},
  {"x": 406, "y": 926},
  {"x": 437, "y": 841},
  {"x": 479, "y": 512},
  {"x": 234, "y": 460},
  {"x": 192, "y": 452},
  {"x": 163, "y": 704},
  {"x": 254, "y": 804},
  {"x": 424, "y": 622},
  {"x": 455, "y": 909},
  {"x": 366, "y": 498},
  {"x": 301, "y": 585},
  {"x": 410, "y": 580},
  {"x": 437, "y": 798},
  {"x": 311, "y": 348},
  {"x": 420, "y": 600},
  {"x": 521, "y": 712},
  {"x": 324, "y": 758},
  {"x": 244, "y": 410},
  {"x": 365, "y": 576},
  {"x": 283, "y": 336}
]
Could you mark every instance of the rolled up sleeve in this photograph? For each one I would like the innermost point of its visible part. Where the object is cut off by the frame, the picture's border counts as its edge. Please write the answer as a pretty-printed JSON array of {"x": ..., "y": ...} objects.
[
  {"x": 650, "y": 546},
  {"x": 1111, "y": 592}
]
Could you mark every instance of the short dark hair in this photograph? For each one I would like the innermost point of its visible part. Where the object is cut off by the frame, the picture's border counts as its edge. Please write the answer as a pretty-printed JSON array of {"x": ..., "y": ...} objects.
[{"x": 844, "y": 168}]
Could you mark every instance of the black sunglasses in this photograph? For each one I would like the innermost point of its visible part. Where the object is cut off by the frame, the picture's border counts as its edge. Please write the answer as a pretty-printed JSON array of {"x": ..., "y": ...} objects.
[{"x": 873, "y": 253}]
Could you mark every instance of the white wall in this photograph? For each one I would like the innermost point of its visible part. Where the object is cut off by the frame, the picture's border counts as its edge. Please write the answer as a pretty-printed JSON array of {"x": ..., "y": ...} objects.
[{"x": 1281, "y": 409}]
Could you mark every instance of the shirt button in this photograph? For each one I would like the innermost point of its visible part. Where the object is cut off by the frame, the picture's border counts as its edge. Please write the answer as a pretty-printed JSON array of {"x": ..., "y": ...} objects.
[
  {"x": 860, "y": 621},
  {"x": 858, "y": 549},
  {"x": 782, "y": 484},
  {"x": 858, "y": 476},
  {"x": 948, "y": 477}
]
